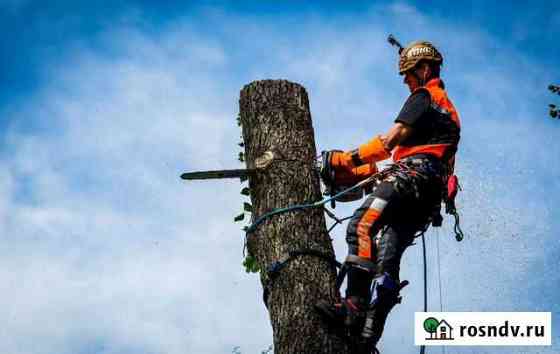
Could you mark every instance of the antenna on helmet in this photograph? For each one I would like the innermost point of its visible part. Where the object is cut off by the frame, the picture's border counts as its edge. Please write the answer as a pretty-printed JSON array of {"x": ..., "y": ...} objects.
[{"x": 393, "y": 41}]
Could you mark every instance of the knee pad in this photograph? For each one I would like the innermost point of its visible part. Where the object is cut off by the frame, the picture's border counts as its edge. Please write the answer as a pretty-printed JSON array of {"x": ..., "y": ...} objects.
[{"x": 390, "y": 245}]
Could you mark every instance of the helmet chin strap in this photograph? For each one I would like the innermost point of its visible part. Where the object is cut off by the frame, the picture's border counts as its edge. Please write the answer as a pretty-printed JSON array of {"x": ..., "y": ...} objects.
[
  {"x": 425, "y": 78},
  {"x": 418, "y": 79},
  {"x": 421, "y": 80}
]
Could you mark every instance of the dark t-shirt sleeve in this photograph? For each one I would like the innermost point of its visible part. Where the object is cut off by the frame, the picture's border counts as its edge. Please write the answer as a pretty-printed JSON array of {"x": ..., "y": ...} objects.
[{"x": 414, "y": 107}]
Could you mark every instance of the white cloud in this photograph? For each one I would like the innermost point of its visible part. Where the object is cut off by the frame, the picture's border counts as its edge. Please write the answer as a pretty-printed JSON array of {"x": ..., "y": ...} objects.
[{"x": 104, "y": 247}]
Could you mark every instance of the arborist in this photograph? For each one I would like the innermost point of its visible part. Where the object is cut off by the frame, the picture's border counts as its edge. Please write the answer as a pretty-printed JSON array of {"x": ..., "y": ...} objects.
[{"x": 422, "y": 143}]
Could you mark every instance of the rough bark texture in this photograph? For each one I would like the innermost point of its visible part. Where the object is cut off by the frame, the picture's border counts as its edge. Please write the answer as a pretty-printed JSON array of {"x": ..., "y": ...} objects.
[{"x": 275, "y": 117}]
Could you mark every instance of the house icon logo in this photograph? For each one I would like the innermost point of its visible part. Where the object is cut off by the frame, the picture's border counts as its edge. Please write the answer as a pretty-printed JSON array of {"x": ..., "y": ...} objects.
[{"x": 438, "y": 330}]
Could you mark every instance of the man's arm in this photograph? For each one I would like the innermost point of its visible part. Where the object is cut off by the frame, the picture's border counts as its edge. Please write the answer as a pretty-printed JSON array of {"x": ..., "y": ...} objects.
[
  {"x": 398, "y": 133},
  {"x": 377, "y": 149},
  {"x": 380, "y": 147}
]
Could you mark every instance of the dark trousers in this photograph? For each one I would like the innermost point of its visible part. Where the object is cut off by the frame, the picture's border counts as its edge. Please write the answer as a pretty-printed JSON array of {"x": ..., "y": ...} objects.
[{"x": 385, "y": 224}]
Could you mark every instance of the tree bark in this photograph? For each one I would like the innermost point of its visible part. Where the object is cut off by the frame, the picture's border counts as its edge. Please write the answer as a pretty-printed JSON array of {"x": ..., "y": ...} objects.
[{"x": 275, "y": 117}]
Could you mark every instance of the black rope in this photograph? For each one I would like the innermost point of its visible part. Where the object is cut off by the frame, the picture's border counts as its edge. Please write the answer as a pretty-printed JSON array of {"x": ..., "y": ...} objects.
[
  {"x": 331, "y": 215},
  {"x": 334, "y": 225},
  {"x": 273, "y": 270},
  {"x": 457, "y": 228},
  {"x": 337, "y": 221},
  {"x": 423, "y": 348}
]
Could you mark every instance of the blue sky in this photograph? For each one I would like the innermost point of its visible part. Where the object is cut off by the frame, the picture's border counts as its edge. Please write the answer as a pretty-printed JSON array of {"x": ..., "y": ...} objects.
[{"x": 104, "y": 250}]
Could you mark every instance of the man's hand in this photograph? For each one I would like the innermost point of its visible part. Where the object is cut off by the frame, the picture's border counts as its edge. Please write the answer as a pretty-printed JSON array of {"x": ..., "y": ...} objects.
[{"x": 370, "y": 152}]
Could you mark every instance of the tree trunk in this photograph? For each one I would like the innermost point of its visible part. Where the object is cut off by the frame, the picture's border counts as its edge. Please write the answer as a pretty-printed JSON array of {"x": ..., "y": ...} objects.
[{"x": 275, "y": 117}]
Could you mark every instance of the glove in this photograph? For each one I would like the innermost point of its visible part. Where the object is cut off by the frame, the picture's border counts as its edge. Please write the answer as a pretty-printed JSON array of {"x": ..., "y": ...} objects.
[{"x": 370, "y": 152}]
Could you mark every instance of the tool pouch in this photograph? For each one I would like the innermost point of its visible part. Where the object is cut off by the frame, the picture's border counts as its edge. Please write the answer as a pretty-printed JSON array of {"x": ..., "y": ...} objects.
[{"x": 453, "y": 188}]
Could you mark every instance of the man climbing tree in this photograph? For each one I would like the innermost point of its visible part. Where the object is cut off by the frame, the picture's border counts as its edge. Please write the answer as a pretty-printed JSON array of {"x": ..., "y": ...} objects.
[{"x": 423, "y": 142}]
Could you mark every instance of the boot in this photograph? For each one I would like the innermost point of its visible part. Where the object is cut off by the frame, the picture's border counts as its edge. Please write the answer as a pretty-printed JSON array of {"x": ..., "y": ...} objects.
[
  {"x": 375, "y": 323},
  {"x": 364, "y": 346},
  {"x": 386, "y": 296}
]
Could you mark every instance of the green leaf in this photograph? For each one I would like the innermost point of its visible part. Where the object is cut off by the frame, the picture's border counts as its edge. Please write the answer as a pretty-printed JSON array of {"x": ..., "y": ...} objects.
[
  {"x": 241, "y": 157},
  {"x": 250, "y": 264},
  {"x": 238, "y": 120},
  {"x": 247, "y": 207},
  {"x": 246, "y": 191},
  {"x": 239, "y": 217},
  {"x": 243, "y": 178},
  {"x": 242, "y": 144}
]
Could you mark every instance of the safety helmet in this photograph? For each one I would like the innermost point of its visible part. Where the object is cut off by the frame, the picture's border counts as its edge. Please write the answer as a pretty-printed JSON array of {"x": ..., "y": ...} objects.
[{"x": 417, "y": 51}]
